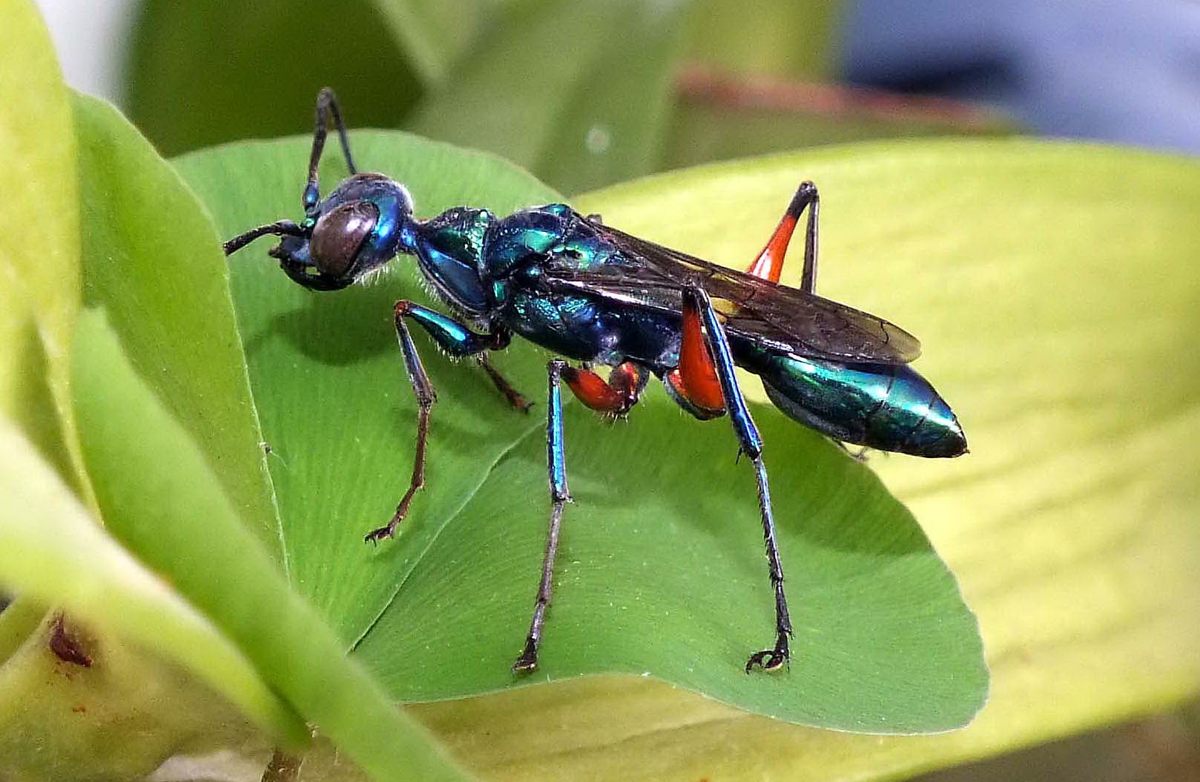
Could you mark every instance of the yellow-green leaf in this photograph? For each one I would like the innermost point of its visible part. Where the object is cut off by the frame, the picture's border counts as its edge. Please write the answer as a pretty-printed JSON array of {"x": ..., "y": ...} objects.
[
  {"x": 174, "y": 515},
  {"x": 1055, "y": 289},
  {"x": 51, "y": 550},
  {"x": 39, "y": 237}
]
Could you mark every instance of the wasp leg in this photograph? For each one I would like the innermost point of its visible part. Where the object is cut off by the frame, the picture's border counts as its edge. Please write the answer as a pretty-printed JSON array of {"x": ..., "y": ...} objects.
[
  {"x": 499, "y": 340},
  {"x": 615, "y": 396},
  {"x": 514, "y": 397},
  {"x": 327, "y": 109},
  {"x": 457, "y": 340},
  {"x": 751, "y": 444},
  {"x": 694, "y": 384},
  {"x": 673, "y": 383},
  {"x": 769, "y": 263},
  {"x": 862, "y": 456},
  {"x": 426, "y": 396},
  {"x": 559, "y": 496}
]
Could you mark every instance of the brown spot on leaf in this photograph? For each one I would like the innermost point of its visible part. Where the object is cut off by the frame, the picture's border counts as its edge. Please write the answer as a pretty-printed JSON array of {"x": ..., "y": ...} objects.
[{"x": 67, "y": 646}]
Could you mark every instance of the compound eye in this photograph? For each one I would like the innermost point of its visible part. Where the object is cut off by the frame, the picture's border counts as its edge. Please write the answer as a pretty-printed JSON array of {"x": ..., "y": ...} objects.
[{"x": 339, "y": 233}]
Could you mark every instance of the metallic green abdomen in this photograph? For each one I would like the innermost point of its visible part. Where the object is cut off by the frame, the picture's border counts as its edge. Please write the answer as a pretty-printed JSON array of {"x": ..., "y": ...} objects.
[{"x": 882, "y": 406}]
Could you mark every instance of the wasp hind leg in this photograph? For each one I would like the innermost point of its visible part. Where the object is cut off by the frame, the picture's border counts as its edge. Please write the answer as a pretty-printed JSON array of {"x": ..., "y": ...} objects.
[
  {"x": 862, "y": 455},
  {"x": 699, "y": 369},
  {"x": 694, "y": 385},
  {"x": 769, "y": 263}
]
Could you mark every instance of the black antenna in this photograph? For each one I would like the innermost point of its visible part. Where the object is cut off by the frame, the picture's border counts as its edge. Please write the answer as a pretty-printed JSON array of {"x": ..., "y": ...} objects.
[{"x": 281, "y": 228}]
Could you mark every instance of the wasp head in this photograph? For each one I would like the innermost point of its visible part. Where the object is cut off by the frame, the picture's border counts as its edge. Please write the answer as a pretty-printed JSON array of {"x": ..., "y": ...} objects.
[{"x": 361, "y": 226}]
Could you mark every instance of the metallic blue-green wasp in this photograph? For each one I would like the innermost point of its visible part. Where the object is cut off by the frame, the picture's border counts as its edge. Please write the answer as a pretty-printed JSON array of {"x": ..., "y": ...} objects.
[{"x": 594, "y": 295}]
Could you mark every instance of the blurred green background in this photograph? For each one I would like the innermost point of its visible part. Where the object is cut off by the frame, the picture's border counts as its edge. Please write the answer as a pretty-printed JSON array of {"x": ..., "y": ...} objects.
[{"x": 583, "y": 93}]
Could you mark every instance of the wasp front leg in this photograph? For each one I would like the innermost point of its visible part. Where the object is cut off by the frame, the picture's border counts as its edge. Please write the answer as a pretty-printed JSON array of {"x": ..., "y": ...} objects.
[
  {"x": 500, "y": 340},
  {"x": 457, "y": 340}
]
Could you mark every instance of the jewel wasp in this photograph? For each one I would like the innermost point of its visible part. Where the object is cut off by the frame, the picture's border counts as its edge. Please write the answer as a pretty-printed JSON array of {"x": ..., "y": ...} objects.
[{"x": 594, "y": 295}]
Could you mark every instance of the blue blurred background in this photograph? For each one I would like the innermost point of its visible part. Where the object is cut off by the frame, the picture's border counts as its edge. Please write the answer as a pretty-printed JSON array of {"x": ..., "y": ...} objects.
[{"x": 1126, "y": 71}]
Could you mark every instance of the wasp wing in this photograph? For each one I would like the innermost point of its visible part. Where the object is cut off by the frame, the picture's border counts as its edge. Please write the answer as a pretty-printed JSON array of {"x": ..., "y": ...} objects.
[{"x": 784, "y": 318}]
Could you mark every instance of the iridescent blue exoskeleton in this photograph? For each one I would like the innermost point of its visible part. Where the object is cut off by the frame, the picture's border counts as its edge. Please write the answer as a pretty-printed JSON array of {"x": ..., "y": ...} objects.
[{"x": 592, "y": 294}]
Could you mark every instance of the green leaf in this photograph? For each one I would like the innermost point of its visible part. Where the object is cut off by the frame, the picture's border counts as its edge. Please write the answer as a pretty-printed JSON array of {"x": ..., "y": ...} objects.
[
  {"x": 39, "y": 238},
  {"x": 662, "y": 571},
  {"x": 173, "y": 514},
  {"x": 153, "y": 261},
  {"x": 262, "y": 64},
  {"x": 1054, "y": 288},
  {"x": 662, "y": 574},
  {"x": 120, "y": 717},
  {"x": 53, "y": 551},
  {"x": 577, "y": 92}
]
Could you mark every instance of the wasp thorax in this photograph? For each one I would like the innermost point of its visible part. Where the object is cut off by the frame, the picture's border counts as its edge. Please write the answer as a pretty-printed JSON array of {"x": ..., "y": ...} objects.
[{"x": 338, "y": 235}]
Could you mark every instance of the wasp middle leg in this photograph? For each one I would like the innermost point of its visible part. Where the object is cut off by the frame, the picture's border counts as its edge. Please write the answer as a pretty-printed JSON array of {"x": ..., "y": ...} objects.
[
  {"x": 559, "y": 496},
  {"x": 615, "y": 397}
]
